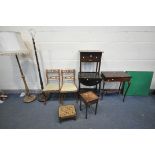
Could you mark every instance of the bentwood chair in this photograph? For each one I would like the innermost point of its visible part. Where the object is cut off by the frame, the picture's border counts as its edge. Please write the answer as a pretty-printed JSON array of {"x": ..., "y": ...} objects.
[
  {"x": 68, "y": 84},
  {"x": 53, "y": 82}
]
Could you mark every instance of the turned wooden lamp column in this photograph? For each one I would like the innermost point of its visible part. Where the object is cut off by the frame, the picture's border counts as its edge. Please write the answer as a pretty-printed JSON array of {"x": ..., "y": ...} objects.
[{"x": 11, "y": 43}]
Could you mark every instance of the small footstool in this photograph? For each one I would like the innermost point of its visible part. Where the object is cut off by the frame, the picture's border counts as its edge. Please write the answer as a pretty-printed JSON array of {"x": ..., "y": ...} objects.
[
  {"x": 89, "y": 98},
  {"x": 66, "y": 112}
]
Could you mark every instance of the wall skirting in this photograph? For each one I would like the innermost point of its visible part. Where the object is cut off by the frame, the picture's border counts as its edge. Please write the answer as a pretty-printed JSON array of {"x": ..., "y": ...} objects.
[
  {"x": 15, "y": 91},
  {"x": 36, "y": 91}
]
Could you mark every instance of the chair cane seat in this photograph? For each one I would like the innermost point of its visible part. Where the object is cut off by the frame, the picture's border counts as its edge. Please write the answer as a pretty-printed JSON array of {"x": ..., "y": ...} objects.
[
  {"x": 51, "y": 87},
  {"x": 68, "y": 87}
]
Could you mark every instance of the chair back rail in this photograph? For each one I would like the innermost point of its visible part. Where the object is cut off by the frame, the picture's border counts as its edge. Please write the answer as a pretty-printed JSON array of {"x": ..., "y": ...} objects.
[
  {"x": 53, "y": 74},
  {"x": 68, "y": 74}
]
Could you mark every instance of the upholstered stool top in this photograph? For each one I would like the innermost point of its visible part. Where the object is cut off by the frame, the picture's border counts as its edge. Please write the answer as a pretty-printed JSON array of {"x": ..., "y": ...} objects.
[
  {"x": 89, "y": 97},
  {"x": 67, "y": 111}
]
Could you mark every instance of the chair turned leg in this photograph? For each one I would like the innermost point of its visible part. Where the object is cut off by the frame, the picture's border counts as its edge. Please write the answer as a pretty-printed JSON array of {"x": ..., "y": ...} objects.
[
  {"x": 86, "y": 111},
  {"x": 96, "y": 108},
  {"x": 61, "y": 98},
  {"x": 77, "y": 97}
]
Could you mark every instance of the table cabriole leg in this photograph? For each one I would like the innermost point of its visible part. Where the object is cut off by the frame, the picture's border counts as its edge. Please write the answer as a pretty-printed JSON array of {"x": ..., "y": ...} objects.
[
  {"x": 103, "y": 90},
  {"x": 126, "y": 91}
]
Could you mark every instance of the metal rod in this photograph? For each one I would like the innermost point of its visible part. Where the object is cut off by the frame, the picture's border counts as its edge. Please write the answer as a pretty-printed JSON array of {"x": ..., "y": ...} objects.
[
  {"x": 99, "y": 66},
  {"x": 96, "y": 66},
  {"x": 40, "y": 78}
]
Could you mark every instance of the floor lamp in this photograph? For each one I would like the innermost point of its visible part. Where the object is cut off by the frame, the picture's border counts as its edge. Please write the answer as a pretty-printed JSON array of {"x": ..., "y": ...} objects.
[
  {"x": 41, "y": 96},
  {"x": 11, "y": 43}
]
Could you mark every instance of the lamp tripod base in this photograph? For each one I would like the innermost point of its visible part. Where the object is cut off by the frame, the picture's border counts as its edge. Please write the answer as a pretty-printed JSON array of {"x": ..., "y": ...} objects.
[
  {"x": 42, "y": 97},
  {"x": 29, "y": 98}
]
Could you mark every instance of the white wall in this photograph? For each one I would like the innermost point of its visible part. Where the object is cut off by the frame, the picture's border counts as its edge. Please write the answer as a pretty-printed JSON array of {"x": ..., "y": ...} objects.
[{"x": 125, "y": 48}]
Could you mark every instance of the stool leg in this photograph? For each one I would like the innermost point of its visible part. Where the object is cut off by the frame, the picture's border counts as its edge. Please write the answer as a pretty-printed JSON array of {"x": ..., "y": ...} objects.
[
  {"x": 96, "y": 108},
  {"x": 76, "y": 95},
  {"x": 86, "y": 111},
  {"x": 80, "y": 105}
]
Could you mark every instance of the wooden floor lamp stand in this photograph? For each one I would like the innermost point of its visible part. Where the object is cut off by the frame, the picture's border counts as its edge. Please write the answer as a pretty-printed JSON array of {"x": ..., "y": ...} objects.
[{"x": 27, "y": 98}]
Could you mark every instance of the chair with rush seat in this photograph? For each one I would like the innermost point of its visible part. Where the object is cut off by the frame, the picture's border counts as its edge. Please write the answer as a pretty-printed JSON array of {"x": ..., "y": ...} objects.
[{"x": 53, "y": 82}]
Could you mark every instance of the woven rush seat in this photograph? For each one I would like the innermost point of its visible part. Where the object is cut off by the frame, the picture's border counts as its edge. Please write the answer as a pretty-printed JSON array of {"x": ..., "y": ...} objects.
[{"x": 67, "y": 111}]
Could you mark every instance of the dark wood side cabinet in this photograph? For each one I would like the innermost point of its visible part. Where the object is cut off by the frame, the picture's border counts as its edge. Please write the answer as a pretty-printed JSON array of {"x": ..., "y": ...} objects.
[
  {"x": 90, "y": 78},
  {"x": 116, "y": 76}
]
